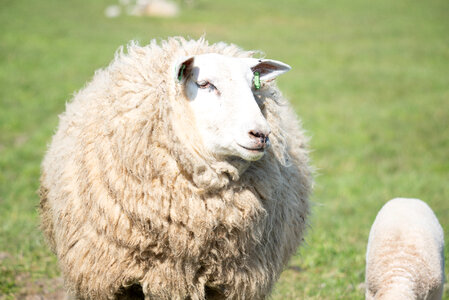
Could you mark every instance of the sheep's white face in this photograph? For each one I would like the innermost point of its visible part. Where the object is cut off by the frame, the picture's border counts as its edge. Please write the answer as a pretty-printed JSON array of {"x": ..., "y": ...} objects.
[{"x": 220, "y": 90}]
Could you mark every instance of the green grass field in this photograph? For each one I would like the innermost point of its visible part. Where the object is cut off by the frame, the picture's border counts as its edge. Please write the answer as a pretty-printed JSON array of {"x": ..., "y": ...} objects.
[{"x": 370, "y": 81}]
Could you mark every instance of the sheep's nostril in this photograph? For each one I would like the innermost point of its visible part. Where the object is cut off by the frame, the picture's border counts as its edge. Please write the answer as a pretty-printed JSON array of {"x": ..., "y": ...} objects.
[
  {"x": 257, "y": 135},
  {"x": 261, "y": 138}
]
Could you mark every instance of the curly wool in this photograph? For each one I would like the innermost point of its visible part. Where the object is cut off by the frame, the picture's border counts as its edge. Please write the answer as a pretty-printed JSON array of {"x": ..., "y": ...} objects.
[
  {"x": 405, "y": 253},
  {"x": 129, "y": 197}
]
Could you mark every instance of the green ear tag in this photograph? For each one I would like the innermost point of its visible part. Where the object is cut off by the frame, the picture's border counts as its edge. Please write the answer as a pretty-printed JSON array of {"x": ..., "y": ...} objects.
[
  {"x": 257, "y": 80},
  {"x": 181, "y": 72}
]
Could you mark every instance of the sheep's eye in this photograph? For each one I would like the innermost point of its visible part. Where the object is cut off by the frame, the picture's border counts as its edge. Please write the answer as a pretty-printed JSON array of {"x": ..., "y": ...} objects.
[{"x": 205, "y": 85}]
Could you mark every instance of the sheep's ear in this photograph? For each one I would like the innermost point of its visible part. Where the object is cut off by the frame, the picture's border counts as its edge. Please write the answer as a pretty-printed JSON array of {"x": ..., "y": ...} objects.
[
  {"x": 183, "y": 68},
  {"x": 268, "y": 69}
]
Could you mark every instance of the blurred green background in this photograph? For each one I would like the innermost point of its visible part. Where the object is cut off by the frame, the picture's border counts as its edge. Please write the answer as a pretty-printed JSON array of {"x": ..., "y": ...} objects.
[{"x": 370, "y": 80}]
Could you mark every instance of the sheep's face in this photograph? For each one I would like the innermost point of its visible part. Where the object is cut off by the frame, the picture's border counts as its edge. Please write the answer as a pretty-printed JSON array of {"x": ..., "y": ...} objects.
[{"x": 220, "y": 91}]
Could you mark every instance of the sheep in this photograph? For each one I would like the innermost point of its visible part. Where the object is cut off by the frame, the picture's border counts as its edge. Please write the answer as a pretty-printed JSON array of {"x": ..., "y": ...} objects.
[
  {"x": 405, "y": 253},
  {"x": 178, "y": 172}
]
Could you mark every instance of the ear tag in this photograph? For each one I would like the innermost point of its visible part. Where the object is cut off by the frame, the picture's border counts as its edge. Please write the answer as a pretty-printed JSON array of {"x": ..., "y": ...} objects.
[
  {"x": 257, "y": 80},
  {"x": 181, "y": 72}
]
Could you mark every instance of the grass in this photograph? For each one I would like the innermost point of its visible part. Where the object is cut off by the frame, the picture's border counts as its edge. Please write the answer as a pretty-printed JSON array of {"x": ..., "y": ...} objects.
[{"x": 370, "y": 80}]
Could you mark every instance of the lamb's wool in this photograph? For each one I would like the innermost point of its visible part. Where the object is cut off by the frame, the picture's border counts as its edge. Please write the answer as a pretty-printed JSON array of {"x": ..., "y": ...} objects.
[
  {"x": 128, "y": 195},
  {"x": 405, "y": 257}
]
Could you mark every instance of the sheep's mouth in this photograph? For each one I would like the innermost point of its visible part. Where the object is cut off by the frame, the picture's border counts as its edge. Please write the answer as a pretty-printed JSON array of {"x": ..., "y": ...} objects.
[{"x": 254, "y": 149}]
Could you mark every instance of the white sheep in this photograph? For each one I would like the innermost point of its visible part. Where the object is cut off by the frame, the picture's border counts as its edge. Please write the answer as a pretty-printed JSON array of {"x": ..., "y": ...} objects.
[
  {"x": 405, "y": 258},
  {"x": 178, "y": 172}
]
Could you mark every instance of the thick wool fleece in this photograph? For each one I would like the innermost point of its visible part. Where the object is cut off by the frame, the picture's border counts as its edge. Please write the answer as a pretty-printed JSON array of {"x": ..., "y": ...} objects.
[
  {"x": 405, "y": 257},
  {"x": 129, "y": 197}
]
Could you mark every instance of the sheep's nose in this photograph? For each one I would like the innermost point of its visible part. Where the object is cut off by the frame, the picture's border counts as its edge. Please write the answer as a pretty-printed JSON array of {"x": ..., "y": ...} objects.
[{"x": 259, "y": 137}]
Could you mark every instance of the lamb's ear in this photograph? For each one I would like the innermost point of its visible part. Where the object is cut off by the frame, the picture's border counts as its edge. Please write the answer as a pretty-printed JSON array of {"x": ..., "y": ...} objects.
[
  {"x": 268, "y": 69},
  {"x": 183, "y": 68}
]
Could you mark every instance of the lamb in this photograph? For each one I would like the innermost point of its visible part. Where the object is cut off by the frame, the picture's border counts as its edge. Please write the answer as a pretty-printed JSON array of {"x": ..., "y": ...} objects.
[
  {"x": 405, "y": 258},
  {"x": 178, "y": 172}
]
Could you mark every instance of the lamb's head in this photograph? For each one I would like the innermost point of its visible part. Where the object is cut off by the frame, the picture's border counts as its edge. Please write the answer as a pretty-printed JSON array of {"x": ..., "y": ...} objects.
[{"x": 221, "y": 93}]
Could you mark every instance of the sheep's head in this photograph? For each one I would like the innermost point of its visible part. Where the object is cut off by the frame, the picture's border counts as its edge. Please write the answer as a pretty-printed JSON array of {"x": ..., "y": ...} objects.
[{"x": 221, "y": 93}]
